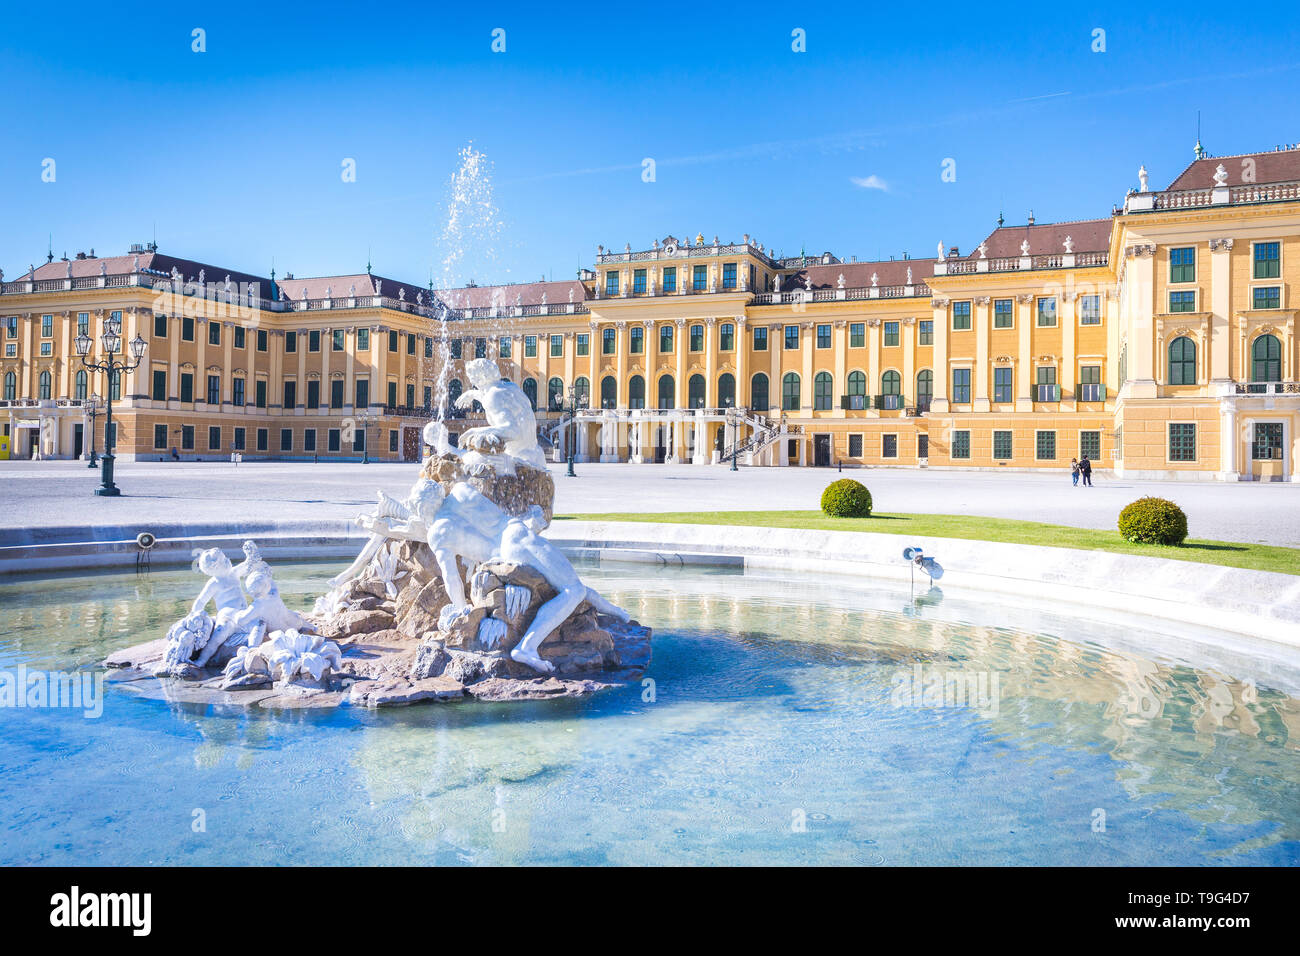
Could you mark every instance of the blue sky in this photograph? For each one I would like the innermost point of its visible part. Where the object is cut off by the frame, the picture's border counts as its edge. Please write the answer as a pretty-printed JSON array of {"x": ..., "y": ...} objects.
[{"x": 234, "y": 155}]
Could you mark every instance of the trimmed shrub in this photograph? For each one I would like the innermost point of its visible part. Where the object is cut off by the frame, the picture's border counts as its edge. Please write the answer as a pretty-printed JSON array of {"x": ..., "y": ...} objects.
[
  {"x": 846, "y": 498},
  {"x": 1153, "y": 521}
]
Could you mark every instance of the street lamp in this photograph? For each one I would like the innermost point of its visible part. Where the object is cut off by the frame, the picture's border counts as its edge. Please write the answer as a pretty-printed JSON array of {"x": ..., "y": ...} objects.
[
  {"x": 365, "y": 438},
  {"x": 572, "y": 408},
  {"x": 111, "y": 345},
  {"x": 91, "y": 406}
]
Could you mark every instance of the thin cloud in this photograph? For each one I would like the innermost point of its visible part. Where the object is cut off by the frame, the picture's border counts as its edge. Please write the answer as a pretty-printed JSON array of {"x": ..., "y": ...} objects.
[{"x": 870, "y": 182}]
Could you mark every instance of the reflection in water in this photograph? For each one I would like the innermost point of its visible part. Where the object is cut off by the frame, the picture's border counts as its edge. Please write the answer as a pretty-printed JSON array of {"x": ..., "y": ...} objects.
[{"x": 770, "y": 701}]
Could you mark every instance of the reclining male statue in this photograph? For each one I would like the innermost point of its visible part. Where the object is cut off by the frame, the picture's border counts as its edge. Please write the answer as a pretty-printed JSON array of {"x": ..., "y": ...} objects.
[
  {"x": 468, "y": 525},
  {"x": 510, "y": 434}
]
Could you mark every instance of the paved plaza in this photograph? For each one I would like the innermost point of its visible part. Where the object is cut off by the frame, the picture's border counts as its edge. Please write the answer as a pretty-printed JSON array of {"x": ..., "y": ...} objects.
[{"x": 58, "y": 494}]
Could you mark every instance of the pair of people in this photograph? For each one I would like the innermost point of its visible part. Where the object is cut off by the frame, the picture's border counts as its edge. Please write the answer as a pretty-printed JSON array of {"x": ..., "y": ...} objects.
[{"x": 1081, "y": 469}]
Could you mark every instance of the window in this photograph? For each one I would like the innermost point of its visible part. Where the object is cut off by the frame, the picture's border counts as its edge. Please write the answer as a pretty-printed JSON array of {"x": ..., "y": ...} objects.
[
  {"x": 608, "y": 341},
  {"x": 960, "y": 316},
  {"x": 554, "y": 393},
  {"x": 1182, "y": 264},
  {"x": 47, "y": 326},
  {"x": 291, "y": 340},
  {"x": 695, "y": 392},
  {"x": 392, "y": 344},
  {"x": 392, "y": 439},
  {"x": 608, "y": 392},
  {"x": 79, "y": 392},
  {"x": 790, "y": 392},
  {"x": 160, "y": 436},
  {"x": 888, "y": 446},
  {"x": 530, "y": 389},
  {"x": 480, "y": 346},
  {"x": 290, "y": 393},
  {"x": 263, "y": 340},
  {"x": 336, "y": 393},
  {"x": 728, "y": 275},
  {"x": 1090, "y": 387},
  {"x": 1267, "y": 297},
  {"x": 791, "y": 337},
  {"x": 240, "y": 334},
  {"x": 1045, "y": 445},
  {"x": 727, "y": 390},
  {"x": 333, "y": 440},
  {"x": 238, "y": 391},
  {"x": 313, "y": 393},
  {"x": 358, "y": 440},
  {"x": 822, "y": 389},
  {"x": 44, "y": 385},
  {"x": 530, "y": 346},
  {"x": 1090, "y": 310},
  {"x": 557, "y": 346},
  {"x": 961, "y": 444},
  {"x": 259, "y": 393},
  {"x": 961, "y": 385},
  {"x": 361, "y": 394},
  {"x": 638, "y": 282},
  {"x": 309, "y": 440},
  {"x": 758, "y": 392},
  {"x": 115, "y": 386},
  {"x": 187, "y": 437},
  {"x": 584, "y": 344},
  {"x": 159, "y": 390},
  {"x": 239, "y": 439},
  {"x": 1182, "y": 301},
  {"x": 726, "y": 337},
  {"x": 857, "y": 335},
  {"x": 1003, "y": 317},
  {"x": 11, "y": 350},
  {"x": 697, "y": 338},
  {"x": 665, "y": 338},
  {"x": 214, "y": 438},
  {"x": 1002, "y": 384},
  {"x": 159, "y": 325},
  {"x": 1090, "y": 445},
  {"x": 760, "y": 338},
  {"x": 338, "y": 340},
  {"x": 823, "y": 336},
  {"x": 670, "y": 279},
  {"x": 1182, "y": 441},
  {"x": 925, "y": 332},
  {"x": 890, "y": 388},
  {"x": 392, "y": 392},
  {"x": 47, "y": 348},
  {"x": 1047, "y": 311},
  {"x": 1268, "y": 264},
  {"x": 1266, "y": 359},
  {"x": 455, "y": 347},
  {"x": 855, "y": 446},
  {"x": 11, "y": 386},
  {"x": 363, "y": 340},
  {"x": 1002, "y": 445},
  {"x": 891, "y": 333},
  {"x": 313, "y": 340},
  {"x": 666, "y": 391},
  {"x": 857, "y": 391},
  {"x": 410, "y": 397},
  {"x": 214, "y": 389},
  {"x": 214, "y": 334},
  {"x": 636, "y": 340},
  {"x": 263, "y": 439},
  {"x": 187, "y": 386},
  {"x": 503, "y": 347},
  {"x": 700, "y": 280},
  {"x": 636, "y": 392},
  {"x": 286, "y": 439},
  {"x": 924, "y": 389},
  {"x": 1182, "y": 361},
  {"x": 611, "y": 283},
  {"x": 11, "y": 327},
  {"x": 1047, "y": 391},
  {"x": 428, "y": 398},
  {"x": 1267, "y": 445}
]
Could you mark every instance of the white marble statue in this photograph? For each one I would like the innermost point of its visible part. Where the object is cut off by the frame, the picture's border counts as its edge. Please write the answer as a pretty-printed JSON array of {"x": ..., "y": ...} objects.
[
  {"x": 510, "y": 434},
  {"x": 1220, "y": 176},
  {"x": 286, "y": 655},
  {"x": 1142, "y": 179}
]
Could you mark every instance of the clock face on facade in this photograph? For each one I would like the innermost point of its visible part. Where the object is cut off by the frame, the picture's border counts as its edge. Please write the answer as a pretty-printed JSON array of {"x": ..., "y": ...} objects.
[{"x": 670, "y": 249}]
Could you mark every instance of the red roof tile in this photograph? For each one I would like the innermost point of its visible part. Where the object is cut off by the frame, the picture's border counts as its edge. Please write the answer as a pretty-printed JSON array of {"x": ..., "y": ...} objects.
[
  {"x": 1047, "y": 238},
  {"x": 1277, "y": 166}
]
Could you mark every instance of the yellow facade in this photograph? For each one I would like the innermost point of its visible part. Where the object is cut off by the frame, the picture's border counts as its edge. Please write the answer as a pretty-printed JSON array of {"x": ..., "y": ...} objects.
[{"x": 1160, "y": 341}]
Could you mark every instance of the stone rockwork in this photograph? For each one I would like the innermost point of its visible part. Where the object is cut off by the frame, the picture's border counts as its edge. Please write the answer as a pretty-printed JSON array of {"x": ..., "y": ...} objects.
[{"x": 512, "y": 493}]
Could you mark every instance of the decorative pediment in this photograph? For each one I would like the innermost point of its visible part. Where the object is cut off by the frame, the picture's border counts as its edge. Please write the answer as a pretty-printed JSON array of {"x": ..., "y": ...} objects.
[{"x": 313, "y": 376}]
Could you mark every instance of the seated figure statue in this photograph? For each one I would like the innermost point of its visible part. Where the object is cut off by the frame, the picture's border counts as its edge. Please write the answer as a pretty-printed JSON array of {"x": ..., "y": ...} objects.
[
  {"x": 266, "y": 613},
  {"x": 511, "y": 432},
  {"x": 466, "y": 524}
]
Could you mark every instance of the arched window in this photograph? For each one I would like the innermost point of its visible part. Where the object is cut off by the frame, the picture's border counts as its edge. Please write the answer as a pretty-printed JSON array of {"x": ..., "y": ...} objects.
[
  {"x": 758, "y": 397},
  {"x": 727, "y": 390},
  {"x": 609, "y": 392},
  {"x": 695, "y": 391},
  {"x": 11, "y": 386},
  {"x": 790, "y": 392},
  {"x": 530, "y": 389},
  {"x": 822, "y": 388},
  {"x": 890, "y": 383},
  {"x": 1182, "y": 361},
  {"x": 81, "y": 386},
  {"x": 554, "y": 393},
  {"x": 857, "y": 383},
  {"x": 924, "y": 387},
  {"x": 582, "y": 391},
  {"x": 44, "y": 386},
  {"x": 636, "y": 392},
  {"x": 666, "y": 389},
  {"x": 1266, "y": 359}
]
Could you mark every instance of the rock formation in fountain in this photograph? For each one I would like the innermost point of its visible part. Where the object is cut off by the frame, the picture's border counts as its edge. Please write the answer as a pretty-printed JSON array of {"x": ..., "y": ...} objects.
[{"x": 456, "y": 592}]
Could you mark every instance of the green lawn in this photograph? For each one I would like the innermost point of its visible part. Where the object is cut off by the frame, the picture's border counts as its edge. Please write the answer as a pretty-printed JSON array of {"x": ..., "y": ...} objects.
[{"x": 1257, "y": 557}]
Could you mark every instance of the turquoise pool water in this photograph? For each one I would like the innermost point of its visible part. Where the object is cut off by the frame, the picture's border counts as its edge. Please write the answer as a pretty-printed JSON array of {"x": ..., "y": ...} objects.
[{"x": 780, "y": 728}]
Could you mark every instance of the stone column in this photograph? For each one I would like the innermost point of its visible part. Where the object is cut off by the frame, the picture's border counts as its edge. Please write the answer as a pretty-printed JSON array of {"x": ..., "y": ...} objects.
[
  {"x": 620, "y": 362},
  {"x": 710, "y": 363},
  {"x": 679, "y": 373},
  {"x": 743, "y": 396}
]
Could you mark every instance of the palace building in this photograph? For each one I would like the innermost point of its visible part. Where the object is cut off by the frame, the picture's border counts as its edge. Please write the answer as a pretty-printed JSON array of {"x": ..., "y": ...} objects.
[{"x": 1160, "y": 341}]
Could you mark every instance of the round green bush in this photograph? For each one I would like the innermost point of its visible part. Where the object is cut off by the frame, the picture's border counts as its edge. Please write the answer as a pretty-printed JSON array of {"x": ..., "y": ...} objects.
[
  {"x": 846, "y": 498},
  {"x": 1153, "y": 521}
]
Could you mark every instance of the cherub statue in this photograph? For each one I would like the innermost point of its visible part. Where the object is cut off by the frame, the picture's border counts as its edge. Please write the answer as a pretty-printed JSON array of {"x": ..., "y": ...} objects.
[
  {"x": 222, "y": 587},
  {"x": 266, "y": 614}
]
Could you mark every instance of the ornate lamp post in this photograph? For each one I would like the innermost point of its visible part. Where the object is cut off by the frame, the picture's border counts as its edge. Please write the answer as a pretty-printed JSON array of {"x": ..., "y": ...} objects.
[
  {"x": 571, "y": 406},
  {"x": 111, "y": 344},
  {"x": 365, "y": 438},
  {"x": 91, "y": 407}
]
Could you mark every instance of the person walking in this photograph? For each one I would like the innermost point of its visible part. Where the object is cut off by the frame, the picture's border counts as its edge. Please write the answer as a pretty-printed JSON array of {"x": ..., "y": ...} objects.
[
  {"x": 1074, "y": 472},
  {"x": 1085, "y": 469}
]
